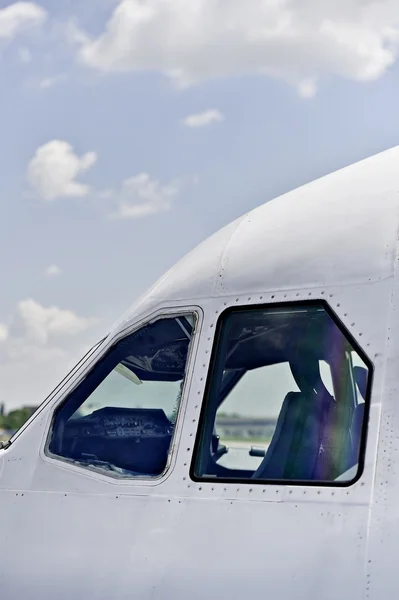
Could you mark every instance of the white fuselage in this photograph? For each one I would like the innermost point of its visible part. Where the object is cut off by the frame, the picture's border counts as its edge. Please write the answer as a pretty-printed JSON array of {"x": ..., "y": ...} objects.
[{"x": 68, "y": 531}]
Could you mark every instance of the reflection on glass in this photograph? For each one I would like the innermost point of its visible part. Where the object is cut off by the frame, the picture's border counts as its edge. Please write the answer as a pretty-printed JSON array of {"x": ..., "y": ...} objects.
[
  {"x": 286, "y": 400},
  {"x": 122, "y": 417}
]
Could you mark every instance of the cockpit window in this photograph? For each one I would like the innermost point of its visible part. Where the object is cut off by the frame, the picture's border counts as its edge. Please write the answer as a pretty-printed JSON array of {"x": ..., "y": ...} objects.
[
  {"x": 286, "y": 399},
  {"x": 121, "y": 418}
]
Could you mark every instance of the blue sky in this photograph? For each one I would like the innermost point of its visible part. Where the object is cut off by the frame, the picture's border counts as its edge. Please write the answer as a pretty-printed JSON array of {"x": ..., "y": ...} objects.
[{"x": 281, "y": 93}]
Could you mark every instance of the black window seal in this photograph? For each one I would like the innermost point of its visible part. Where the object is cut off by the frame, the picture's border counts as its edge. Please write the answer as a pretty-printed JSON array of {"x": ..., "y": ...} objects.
[{"x": 213, "y": 365}]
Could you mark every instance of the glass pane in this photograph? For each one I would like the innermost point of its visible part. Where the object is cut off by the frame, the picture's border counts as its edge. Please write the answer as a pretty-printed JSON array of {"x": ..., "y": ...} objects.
[
  {"x": 122, "y": 417},
  {"x": 286, "y": 399},
  {"x": 242, "y": 426}
]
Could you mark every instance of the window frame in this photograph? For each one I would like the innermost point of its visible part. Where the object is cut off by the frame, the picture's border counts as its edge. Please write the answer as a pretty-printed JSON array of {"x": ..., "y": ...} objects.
[
  {"x": 101, "y": 474},
  {"x": 214, "y": 364}
]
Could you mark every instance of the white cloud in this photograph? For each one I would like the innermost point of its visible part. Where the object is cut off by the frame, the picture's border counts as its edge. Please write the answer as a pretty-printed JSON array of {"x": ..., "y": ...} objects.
[
  {"x": 38, "y": 348},
  {"x": 3, "y": 332},
  {"x": 37, "y": 324},
  {"x": 142, "y": 196},
  {"x": 295, "y": 40},
  {"x": 53, "y": 271},
  {"x": 307, "y": 88},
  {"x": 75, "y": 35},
  {"x": 24, "y": 55},
  {"x": 17, "y": 17},
  {"x": 53, "y": 170},
  {"x": 49, "y": 82},
  {"x": 203, "y": 118}
]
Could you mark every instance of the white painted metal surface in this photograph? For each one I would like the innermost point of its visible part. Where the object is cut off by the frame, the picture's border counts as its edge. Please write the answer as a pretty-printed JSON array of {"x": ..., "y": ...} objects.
[{"x": 69, "y": 532}]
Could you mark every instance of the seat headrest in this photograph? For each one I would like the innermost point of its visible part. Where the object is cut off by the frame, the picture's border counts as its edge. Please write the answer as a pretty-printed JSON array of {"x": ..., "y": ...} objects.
[{"x": 306, "y": 371}]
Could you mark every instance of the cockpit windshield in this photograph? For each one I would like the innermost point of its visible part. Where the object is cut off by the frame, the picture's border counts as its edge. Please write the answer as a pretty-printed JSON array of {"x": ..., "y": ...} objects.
[
  {"x": 122, "y": 417},
  {"x": 286, "y": 398}
]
